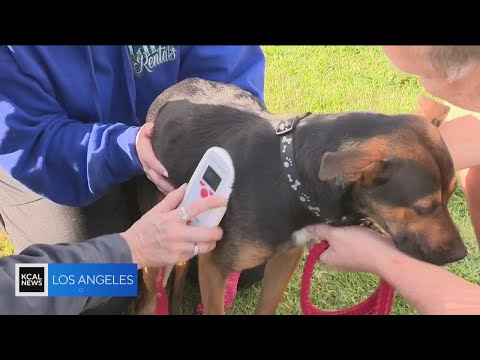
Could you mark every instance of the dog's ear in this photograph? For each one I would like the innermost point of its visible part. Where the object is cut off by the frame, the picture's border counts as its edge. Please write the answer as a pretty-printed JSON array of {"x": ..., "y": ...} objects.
[
  {"x": 433, "y": 111},
  {"x": 364, "y": 164}
]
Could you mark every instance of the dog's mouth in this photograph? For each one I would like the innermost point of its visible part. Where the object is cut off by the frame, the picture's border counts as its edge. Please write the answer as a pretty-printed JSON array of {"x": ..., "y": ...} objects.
[
  {"x": 416, "y": 245},
  {"x": 303, "y": 237},
  {"x": 364, "y": 221},
  {"x": 373, "y": 225}
]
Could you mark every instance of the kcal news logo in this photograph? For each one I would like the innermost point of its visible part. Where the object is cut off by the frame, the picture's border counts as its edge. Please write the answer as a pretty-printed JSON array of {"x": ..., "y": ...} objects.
[{"x": 76, "y": 280}]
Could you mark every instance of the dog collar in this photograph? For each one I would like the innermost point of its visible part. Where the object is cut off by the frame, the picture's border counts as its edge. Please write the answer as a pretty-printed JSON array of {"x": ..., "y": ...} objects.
[{"x": 285, "y": 129}]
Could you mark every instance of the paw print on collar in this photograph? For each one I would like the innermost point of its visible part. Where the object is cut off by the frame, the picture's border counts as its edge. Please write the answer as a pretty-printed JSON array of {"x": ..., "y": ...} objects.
[
  {"x": 304, "y": 197},
  {"x": 288, "y": 162}
]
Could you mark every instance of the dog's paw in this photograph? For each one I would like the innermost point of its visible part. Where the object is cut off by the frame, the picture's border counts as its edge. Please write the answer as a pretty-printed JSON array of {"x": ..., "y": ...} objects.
[{"x": 301, "y": 237}]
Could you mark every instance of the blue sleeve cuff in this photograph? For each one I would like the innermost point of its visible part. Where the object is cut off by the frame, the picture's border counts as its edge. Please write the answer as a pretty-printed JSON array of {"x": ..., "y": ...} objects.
[{"x": 127, "y": 142}]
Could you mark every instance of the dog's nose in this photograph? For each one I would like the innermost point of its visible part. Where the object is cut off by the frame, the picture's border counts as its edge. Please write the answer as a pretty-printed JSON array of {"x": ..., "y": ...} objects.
[
  {"x": 445, "y": 256},
  {"x": 457, "y": 252}
]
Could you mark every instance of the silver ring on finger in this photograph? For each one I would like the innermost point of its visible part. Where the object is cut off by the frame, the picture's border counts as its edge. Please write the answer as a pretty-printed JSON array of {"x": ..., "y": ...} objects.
[
  {"x": 184, "y": 214},
  {"x": 195, "y": 249}
]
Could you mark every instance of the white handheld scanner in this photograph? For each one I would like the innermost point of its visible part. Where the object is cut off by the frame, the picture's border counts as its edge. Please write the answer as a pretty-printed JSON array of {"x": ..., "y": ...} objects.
[{"x": 214, "y": 175}]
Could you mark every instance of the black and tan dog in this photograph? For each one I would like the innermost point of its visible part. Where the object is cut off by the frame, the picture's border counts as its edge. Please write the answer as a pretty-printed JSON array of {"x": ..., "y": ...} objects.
[{"x": 394, "y": 169}]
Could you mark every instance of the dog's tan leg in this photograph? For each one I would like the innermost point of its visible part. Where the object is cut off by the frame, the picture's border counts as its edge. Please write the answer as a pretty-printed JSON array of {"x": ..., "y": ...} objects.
[
  {"x": 147, "y": 196},
  {"x": 278, "y": 273},
  {"x": 212, "y": 285},
  {"x": 178, "y": 285},
  {"x": 148, "y": 294}
]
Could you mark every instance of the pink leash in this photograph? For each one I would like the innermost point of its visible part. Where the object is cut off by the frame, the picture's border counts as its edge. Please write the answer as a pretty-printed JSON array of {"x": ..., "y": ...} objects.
[
  {"x": 161, "y": 307},
  {"x": 378, "y": 303}
]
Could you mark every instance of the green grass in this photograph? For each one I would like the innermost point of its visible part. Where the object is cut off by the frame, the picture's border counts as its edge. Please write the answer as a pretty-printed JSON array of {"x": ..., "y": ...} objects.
[{"x": 333, "y": 79}]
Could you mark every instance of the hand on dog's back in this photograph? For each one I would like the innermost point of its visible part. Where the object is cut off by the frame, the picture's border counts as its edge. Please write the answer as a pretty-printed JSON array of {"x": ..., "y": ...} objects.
[{"x": 154, "y": 170}]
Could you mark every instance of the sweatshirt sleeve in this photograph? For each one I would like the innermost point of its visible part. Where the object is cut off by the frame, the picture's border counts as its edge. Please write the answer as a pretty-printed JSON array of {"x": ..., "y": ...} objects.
[
  {"x": 63, "y": 159},
  {"x": 243, "y": 66},
  {"x": 104, "y": 249}
]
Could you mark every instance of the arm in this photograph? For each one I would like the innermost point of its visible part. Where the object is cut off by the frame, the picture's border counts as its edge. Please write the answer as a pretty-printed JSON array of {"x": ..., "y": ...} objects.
[
  {"x": 243, "y": 66},
  {"x": 159, "y": 238},
  {"x": 59, "y": 157},
  {"x": 104, "y": 249},
  {"x": 428, "y": 288},
  {"x": 461, "y": 137}
]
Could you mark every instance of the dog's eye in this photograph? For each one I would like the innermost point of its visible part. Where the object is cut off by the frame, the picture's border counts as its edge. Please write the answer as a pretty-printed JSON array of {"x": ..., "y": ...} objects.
[{"x": 425, "y": 211}]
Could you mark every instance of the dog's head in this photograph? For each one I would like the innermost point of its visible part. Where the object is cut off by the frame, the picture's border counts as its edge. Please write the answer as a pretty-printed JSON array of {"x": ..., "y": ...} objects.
[{"x": 403, "y": 179}]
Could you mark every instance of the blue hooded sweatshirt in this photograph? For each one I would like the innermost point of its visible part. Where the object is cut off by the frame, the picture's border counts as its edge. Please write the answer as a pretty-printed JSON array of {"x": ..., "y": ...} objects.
[{"x": 69, "y": 114}]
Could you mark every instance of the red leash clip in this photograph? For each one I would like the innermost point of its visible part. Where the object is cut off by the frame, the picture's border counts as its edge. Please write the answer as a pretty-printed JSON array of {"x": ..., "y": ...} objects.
[{"x": 379, "y": 303}]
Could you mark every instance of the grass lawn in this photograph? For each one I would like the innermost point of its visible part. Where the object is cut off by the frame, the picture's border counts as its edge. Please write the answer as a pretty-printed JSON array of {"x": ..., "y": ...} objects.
[{"x": 332, "y": 79}]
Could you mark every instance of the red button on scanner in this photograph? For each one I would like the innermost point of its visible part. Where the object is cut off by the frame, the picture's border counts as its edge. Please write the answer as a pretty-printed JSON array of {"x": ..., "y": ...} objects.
[{"x": 204, "y": 193}]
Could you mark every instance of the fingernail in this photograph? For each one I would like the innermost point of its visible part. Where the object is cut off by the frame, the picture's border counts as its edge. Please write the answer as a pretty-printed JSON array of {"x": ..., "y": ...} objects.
[{"x": 165, "y": 173}]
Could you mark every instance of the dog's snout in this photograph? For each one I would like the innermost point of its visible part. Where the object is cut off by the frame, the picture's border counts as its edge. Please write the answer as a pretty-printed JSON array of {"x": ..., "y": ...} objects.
[
  {"x": 448, "y": 251},
  {"x": 457, "y": 252}
]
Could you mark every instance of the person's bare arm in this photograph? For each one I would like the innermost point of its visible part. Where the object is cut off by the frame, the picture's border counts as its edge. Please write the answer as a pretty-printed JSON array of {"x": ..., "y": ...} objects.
[
  {"x": 461, "y": 132},
  {"x": 428, "y": 288},
  {"x": 461, "y": 135}
]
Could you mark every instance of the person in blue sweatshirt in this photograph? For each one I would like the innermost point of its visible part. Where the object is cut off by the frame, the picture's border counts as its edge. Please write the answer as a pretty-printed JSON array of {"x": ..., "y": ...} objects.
[{"x": 73, "y": 132}]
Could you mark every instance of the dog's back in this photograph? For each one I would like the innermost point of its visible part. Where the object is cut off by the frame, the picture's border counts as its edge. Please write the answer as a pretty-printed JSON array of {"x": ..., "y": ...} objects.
[
  {"x": 204, "y": 92},
  {"x": 182, "y": 100}
]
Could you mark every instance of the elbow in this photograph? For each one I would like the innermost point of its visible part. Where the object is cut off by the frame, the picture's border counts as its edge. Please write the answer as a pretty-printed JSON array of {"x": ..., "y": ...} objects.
[{"x": 56, "y": 191}]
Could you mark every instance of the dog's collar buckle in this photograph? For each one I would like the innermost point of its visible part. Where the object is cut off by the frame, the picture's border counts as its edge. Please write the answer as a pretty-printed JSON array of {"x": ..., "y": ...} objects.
[{"x": 286, "y": 126}]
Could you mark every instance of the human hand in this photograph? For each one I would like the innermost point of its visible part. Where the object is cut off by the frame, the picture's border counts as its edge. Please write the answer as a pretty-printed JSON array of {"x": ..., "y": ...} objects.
[
  {"x": 154, "y": 170},
  {"x": 351, "y": 248},
  {"x": 160, "y": 237}
]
